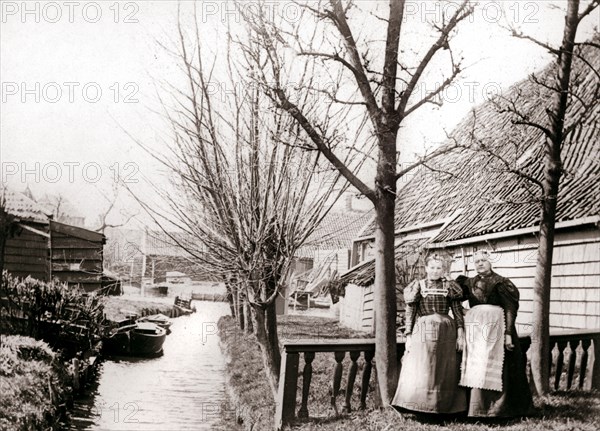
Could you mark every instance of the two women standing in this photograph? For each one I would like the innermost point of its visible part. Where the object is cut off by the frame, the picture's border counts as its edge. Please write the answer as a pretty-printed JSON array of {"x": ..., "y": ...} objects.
[{"x": 490, "y": 380}]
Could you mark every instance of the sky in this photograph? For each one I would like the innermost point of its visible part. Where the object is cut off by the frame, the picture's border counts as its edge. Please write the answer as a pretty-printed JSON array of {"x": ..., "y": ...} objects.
[{"x": 79, "y": 84}]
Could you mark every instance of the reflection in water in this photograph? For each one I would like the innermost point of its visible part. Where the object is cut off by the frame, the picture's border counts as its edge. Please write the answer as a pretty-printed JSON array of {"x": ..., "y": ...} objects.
[{"x": 182, "y": 390}]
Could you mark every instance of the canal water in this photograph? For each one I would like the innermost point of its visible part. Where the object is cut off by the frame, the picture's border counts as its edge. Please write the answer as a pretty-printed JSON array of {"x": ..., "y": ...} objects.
[{"x": 184, "y": 389}]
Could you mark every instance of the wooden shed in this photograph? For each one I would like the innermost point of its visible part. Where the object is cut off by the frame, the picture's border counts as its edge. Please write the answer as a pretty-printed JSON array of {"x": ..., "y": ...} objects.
[
  {"x": 76, "y": 255},
  {"x": 471, "y": 202},
  {"x": 27, "y": 248},
  {"x": 44, "y": 249}
]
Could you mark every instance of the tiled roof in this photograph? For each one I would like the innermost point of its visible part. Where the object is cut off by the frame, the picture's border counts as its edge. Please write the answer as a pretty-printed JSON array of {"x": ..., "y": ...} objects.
[
  {"x": 336, "y": 231},
  {"x": 23, "y": 207},
  {"x": 490, "y": 199}
]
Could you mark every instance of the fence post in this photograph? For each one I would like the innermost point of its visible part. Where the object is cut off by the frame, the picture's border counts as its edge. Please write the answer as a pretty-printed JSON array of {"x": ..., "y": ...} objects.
[
  {"x": 596, "y": 366},
  {"x": 285, "y": 406}
]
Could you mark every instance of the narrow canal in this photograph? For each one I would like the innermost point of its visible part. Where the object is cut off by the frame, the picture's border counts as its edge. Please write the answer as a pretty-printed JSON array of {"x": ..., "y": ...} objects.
[{"x": 182, "y": 390}]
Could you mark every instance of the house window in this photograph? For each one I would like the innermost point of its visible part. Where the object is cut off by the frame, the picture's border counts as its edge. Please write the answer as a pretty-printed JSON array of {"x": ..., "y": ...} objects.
[{"x": 367, "y": 251}]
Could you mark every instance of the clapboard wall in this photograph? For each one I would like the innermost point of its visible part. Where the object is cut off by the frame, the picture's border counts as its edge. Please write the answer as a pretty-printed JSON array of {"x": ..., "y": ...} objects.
[
  {"x": 356, "y": 308},
  {"x": 575, "y": 293},
  {"x": 26, "y": 252},
  {"x": 77, "y": 255}
]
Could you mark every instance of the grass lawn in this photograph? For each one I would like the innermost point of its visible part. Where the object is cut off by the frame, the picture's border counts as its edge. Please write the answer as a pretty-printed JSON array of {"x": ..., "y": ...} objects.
[
  {"x": 115, "y": 307},
  {"x": 253, "y": 403}
]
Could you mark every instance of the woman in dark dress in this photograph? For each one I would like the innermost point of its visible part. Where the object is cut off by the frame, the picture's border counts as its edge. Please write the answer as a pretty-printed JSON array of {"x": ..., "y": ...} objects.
[
  {"x": 430, "y": 367},
  {"x": 493, "y": 365}
]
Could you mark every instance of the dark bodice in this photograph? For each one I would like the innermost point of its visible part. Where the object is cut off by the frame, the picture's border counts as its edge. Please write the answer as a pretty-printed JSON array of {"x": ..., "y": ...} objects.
[{"x": 492, "y": 289}]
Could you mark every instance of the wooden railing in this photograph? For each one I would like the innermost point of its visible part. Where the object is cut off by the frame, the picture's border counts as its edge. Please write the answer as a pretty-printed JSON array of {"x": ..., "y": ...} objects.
[
  {"x": 286, "y": 402},
  {"x": 288, "y": 380},
  {"x": 569, "y": 342}
]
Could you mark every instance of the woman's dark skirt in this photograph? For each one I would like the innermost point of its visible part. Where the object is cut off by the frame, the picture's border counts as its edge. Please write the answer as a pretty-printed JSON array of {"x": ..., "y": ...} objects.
[{"x": 515, "y": 399}]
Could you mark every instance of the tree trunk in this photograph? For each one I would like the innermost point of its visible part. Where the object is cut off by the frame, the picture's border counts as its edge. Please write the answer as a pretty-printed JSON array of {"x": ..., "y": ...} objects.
[
  {"x": 231, "y": 297},
  {"x": 239, "y": 309},
  {"x": 248, "y": 326},
  {"x": 540, "y": 347},
  {"x": 385, "y": 280},
  {"x": 385, "y": 300},
  {"x": 265, "y": 325}
]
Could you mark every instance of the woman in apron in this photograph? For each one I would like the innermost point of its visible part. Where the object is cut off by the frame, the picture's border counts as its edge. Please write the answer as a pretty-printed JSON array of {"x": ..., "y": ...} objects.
[{"x": 430, "y": 367}]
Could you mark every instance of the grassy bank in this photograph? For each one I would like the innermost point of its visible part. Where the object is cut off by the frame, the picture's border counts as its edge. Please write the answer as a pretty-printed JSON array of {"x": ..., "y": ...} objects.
[
  {"x": 253, "y": 401},
  {"x": 34, "y": 386},
  {"x": 117, "y": 307}
]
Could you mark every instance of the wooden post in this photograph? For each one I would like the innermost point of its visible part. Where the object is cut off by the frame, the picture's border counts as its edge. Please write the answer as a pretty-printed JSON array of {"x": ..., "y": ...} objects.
[
  {"x": 285, "y": 407},
  {"x": 572, "y": 358},
  {"x": 585, "y": 345},
  {"x": 560, "y": 360},
  {"x": 351, "y": 378},
  {"x": 337, "y": 379},
  {"x": 366, "y": 376},
  {"x": 596, "y": 366},
  {"x": 306, "y": 379}
]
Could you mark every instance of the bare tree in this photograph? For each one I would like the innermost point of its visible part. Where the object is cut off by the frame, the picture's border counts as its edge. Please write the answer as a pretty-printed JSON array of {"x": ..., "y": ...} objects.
[
  {"x": 573, "y": 95},
  {"x": 243, "y": 189},
  {"x": 55, "y": 205},
  {"x": 567, "y": 98},
  {"x": 112, "y": 199},
  {"x": 367, "y": 85}
]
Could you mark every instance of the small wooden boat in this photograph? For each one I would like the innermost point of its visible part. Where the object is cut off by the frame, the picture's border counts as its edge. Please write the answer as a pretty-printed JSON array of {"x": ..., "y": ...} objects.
[
  {"x": 183, "y": 306},
  {"x": 147, "y": 339},
  {"x": 138, "y": 339},
  {"x": 158, "y": 319},
  {"x": 182, "y": 311}
]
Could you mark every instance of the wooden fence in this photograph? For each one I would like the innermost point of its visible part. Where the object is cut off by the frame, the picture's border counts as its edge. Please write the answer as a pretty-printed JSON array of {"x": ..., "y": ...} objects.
[{"x": 569, "y": 348}]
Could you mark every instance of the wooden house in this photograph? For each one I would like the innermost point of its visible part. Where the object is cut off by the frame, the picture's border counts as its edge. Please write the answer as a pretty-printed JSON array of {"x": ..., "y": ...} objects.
[
  {"x": 326, "y": 253},
  {"x": 471, "y": 202},
  {"x": 27, "y": 249},
  {"x": 76, "y": 255},
  {"x": 45, "y": 249}
]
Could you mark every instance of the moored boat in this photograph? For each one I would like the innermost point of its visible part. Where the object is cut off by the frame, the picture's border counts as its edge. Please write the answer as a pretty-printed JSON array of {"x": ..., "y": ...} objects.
[
  {"x": 147, "y": 339},
  {"x": 138, "y": 339},
  {"x": 158, "y": 319},
  {"x": 183, "y": 306}
]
